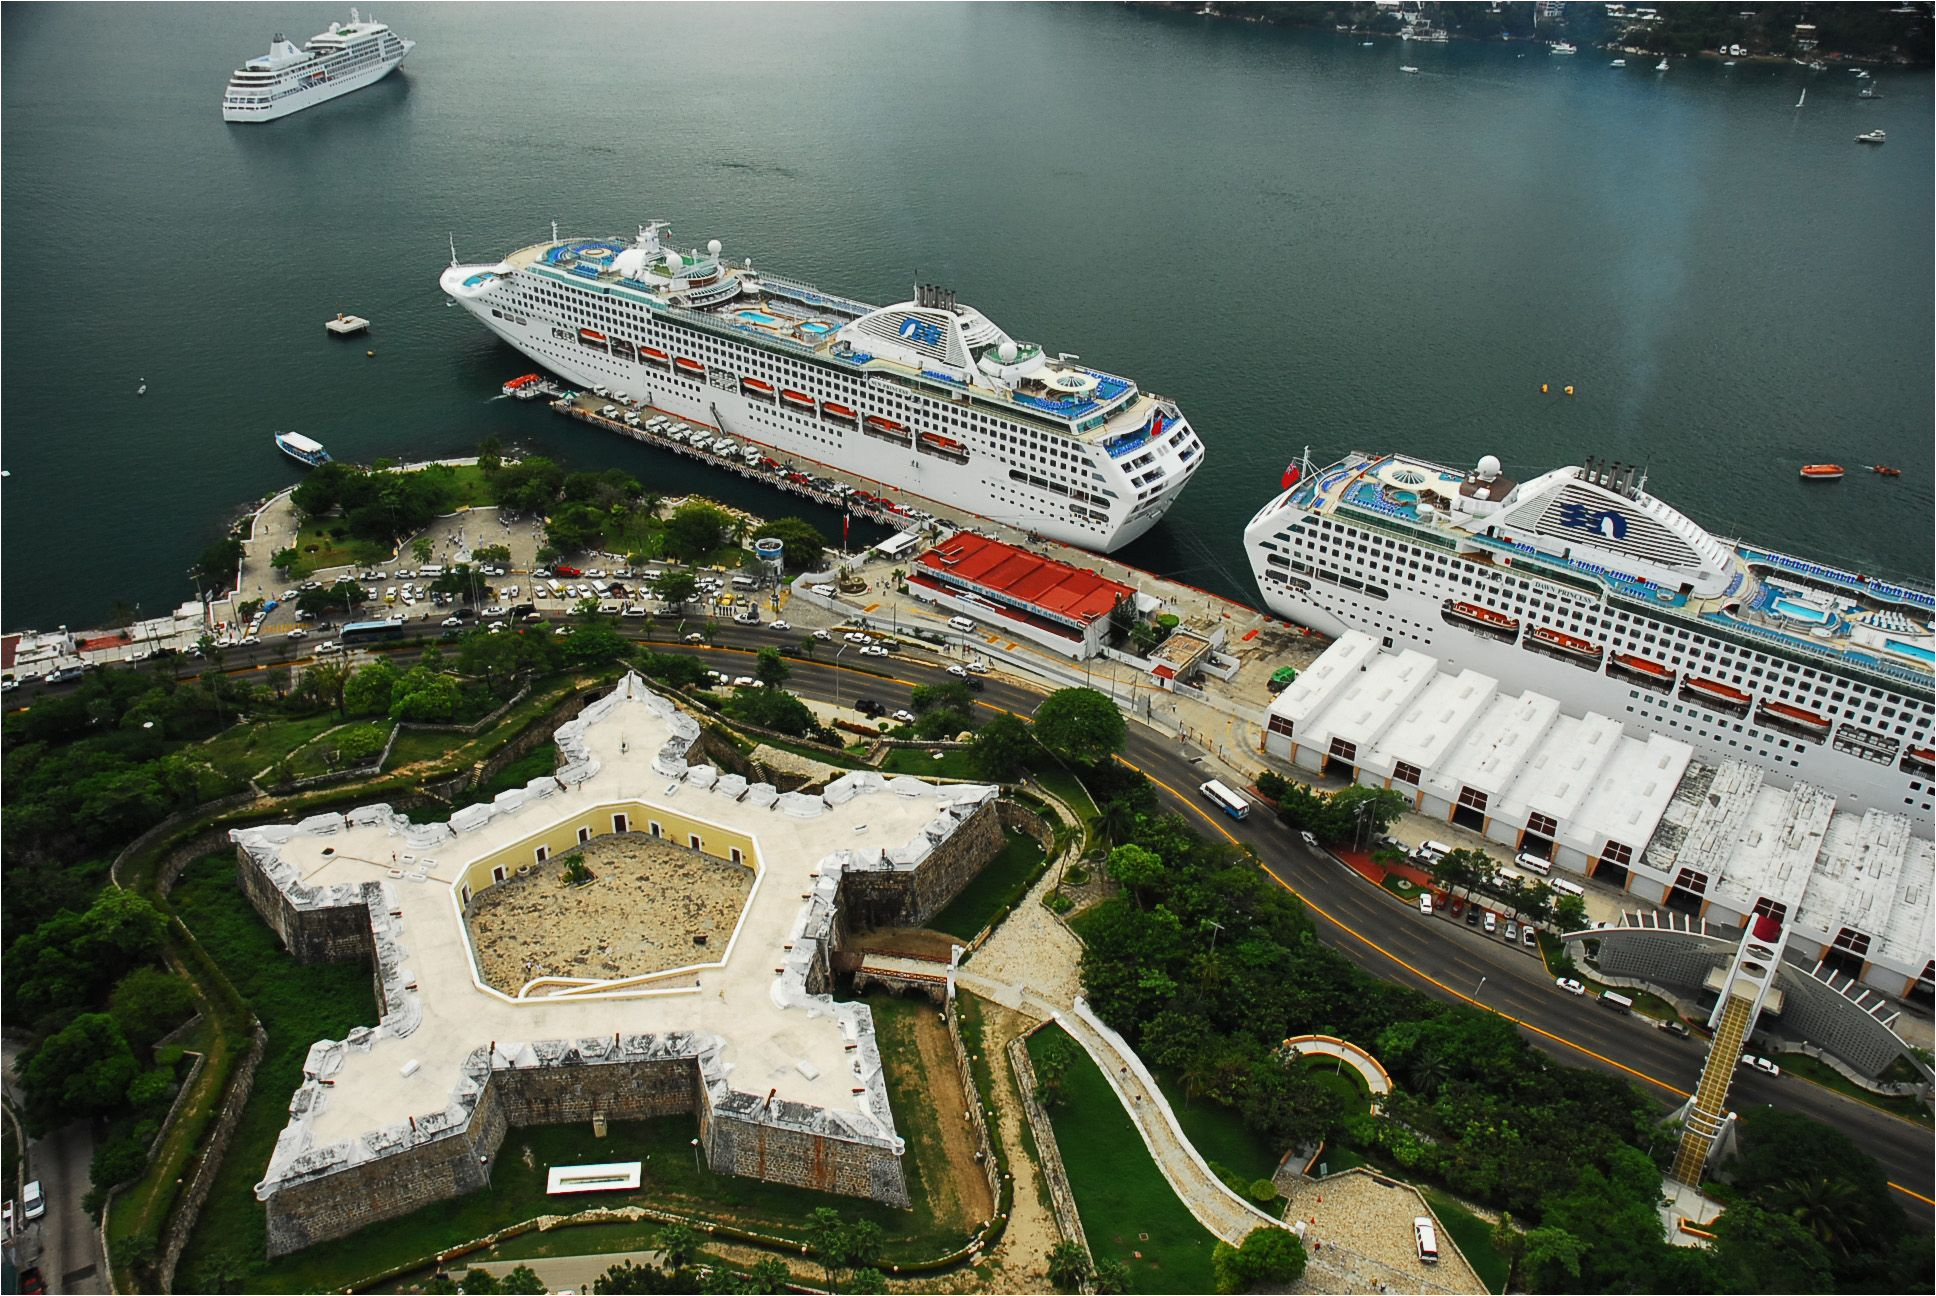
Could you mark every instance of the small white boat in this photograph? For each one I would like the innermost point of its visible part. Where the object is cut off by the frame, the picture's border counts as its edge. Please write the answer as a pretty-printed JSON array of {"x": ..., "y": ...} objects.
[
  {"x": 1872, "y": 137},
  {"x": 142, "y": 390},
  {"x": 1408, "y": 68},
  {"x": 1804, "y": 99},
  {"x": 1729, "y": 63},
  {"x": 1862, "y": 74},
  {"x": 1563, "y": 47},
  {"x": 1368, "y": 44},
  {"x": 1618, "y": 63},
  {"x": 1869, "y": 92},
  {"x": 1661, "y": 66}
]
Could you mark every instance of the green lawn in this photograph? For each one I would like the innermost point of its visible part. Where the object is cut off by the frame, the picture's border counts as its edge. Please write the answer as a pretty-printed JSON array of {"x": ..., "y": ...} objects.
[
  {"x": 1001, "y": 882},
  {"x": 954, "y": 763},
  {"x": 248, "y": 748},
  {"x": 1474, "y": 1237},
  {"x": 297, "y": 1004},
  {"x": 1219, "y": 1134},
  {"x": 413, "y": 745},
  {"x": 1061, "y": 783},
  {"x": 1829, "y": 1078},
  {"x": 315, "y": 756},
  {"x": 1129, "y": 1211}
]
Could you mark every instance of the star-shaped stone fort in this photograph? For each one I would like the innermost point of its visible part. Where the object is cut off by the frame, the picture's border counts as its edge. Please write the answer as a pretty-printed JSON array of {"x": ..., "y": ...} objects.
[{"x": 786, "y": 1082}]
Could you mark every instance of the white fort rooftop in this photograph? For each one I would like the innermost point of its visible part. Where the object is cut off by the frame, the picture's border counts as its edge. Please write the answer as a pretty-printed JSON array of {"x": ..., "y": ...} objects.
[{"x": 744, "y": 1012}]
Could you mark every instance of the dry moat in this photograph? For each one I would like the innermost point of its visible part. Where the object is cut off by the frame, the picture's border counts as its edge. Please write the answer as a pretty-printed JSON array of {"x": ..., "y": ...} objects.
[{"x": 651, "y": 906}]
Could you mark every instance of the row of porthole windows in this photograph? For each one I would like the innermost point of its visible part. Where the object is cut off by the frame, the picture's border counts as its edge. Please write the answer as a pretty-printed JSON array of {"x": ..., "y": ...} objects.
[{"x": 1789, "y": 687}]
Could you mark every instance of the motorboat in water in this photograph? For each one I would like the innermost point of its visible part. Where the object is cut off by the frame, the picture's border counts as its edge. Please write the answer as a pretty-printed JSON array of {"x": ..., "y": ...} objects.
[
  {"x": 1821, "y": 472},
  {"x": 1872, "y": 137}
]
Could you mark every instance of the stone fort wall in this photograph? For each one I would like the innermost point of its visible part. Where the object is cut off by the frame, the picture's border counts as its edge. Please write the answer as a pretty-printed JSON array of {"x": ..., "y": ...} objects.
[{"x": 437, "y": 1159}]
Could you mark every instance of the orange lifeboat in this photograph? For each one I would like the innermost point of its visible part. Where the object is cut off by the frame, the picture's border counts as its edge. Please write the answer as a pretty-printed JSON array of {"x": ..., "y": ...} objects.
[
  {"x": 760, "y": 385},
  {"x": 591, "y": 335},
  {"x": 1884, "y": 470},
  {"x": 653, "y": 353},
  {"x": 1919, "y": 760},
  {"x": 690, "y": 366},
  {"x": 1715, "y": 694},
  {"x": 797, "y": 398},
  {"x": 1483, "y": 618},
  {"x": 884, "y": 424},
  {"x": 1565, "y": 644},
  {"x": 1821, "y": 472},
  {"x": 837, "y": 411},
  {"x": 1793, "y": 719}
]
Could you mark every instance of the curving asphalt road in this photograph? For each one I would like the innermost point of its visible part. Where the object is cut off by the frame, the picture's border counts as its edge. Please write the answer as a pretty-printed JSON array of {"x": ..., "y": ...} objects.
[{"x": 1388, "y": 939}]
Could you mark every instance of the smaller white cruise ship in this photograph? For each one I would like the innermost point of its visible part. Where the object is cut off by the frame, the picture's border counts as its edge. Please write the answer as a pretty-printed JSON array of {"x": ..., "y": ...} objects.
[{"x": 337, "y": 60}]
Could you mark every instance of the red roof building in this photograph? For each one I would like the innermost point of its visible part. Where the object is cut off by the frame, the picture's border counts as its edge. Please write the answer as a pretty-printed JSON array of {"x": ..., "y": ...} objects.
[{"x": 1033, "y": 595}]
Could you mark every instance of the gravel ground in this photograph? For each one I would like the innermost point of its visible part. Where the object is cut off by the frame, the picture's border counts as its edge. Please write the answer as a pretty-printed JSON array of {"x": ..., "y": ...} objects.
[
  {"x": 1034, "y": 950},
  {"x": 1358, "y": 1232},
  {"x": 649, "y": 902}
]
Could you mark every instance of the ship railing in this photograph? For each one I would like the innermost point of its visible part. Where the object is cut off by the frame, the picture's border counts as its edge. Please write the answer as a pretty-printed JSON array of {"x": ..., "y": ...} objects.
[
  {"x": 1841, "y": 657},
  {"x": 1913, "y": 592},
  {"x": 813, "y": 296}
]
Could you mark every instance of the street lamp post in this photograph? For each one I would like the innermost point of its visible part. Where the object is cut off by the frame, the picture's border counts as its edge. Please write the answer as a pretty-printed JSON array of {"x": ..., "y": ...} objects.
[
  {"x": 695, "y": 1156},
  {"x": 836, "y": 668},
  {"x": 1481, "y": 986}
]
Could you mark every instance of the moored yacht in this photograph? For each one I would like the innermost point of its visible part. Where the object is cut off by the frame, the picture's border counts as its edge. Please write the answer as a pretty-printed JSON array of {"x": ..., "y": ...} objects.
[
  {"x": 337, "y": 60},
  {"x": 302, "y": 449},
  {"x": 928, "y": 395}
]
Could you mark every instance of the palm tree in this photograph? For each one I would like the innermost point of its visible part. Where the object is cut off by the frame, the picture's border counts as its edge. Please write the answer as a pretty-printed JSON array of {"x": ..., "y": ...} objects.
[
  {"x": 1116, "y": 820},
  {"x": 1825, "y": 1207}
]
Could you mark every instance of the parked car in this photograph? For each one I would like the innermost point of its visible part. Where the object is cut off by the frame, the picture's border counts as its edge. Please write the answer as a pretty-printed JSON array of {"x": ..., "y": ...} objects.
[
  {"x": 1569, "y": 985},
  {"x": 1674, "y": 1026},
  {"x": 695, "y": 637},
  {"x": 1527, "y": 938},
  {"x": 873, "y": 650},
  {"x": 1512, "y": 933},
  {"x": 33, "y": 1202},
  {"x": 822, "y": 635},
  {"x": 1425, "y": 903},
  {"x": 869, "y": 707},
  {"x": 298, "y": 633},
  {"x": 1761, "y": 1064},
  {"x": 958, "y": 671},
  {"x": 825, "y": 591},
  {"x": 1491, "y": 921},
  {"x": 904, "y": 716},
  {"x": 780, "y": 625}
]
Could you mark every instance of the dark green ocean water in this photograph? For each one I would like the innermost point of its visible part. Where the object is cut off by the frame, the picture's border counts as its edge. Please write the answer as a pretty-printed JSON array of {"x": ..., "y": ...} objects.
[{"x": 1278, "y": 229}]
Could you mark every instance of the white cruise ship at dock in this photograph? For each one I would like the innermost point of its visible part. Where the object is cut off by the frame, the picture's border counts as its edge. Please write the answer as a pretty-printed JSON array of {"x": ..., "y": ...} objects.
[
  {"x": 927, "y": 396},
  {"x": 337, "y": 60},
  {"x": 1582, "y": 585}
]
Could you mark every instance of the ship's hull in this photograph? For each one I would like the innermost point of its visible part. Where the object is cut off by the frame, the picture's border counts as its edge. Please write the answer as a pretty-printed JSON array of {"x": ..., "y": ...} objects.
[
  {"x": 296, "y": 101},
  {"x": 790, "y": 434},
  {"x": 1413, "y": 614}
]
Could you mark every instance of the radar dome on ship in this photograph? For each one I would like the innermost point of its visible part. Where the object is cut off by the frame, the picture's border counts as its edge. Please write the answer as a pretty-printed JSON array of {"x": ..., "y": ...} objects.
[
  {"x": 629, "y": 262},
  {"x": 1489, "y": 467},
  {"x": 1006, "y": 352},
  {"x": 712, "y": 247}
]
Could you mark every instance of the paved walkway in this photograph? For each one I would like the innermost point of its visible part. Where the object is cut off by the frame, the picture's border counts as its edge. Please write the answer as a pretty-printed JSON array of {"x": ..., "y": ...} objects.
[{"x": 562, "y": 1273}]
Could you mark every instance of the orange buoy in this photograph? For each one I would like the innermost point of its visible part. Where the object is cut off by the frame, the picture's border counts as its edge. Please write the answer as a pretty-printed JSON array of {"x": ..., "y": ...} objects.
[
  {"x": 1569, "y": 389},
  {"x": 1542, "y": 389}
]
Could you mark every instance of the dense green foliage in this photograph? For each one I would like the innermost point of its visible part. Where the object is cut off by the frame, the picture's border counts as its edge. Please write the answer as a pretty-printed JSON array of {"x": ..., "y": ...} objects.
[
  {"x": 804, "y": 543},
  {"x": 376, "y": 505},
  {"x": 1004, "y": 749},
  {"x": 1268, "y": 1255},
  {"x": 695, "y": 529},
  {"x": 772, "y": 709},
  {"x": 1206, "y": 966},
  {"x": 1080, "y": 725}
]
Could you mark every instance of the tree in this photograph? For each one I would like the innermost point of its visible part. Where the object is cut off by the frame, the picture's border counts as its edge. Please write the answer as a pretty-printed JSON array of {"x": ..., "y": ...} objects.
[
  {"x": 369, "y": 690},
  {"x": 952, "y": 694},
  {"x": 942, "y": 724},
  {"x": 771, "y": 670},
  {"x": 528, "y": 486},
  {"x": 1136, "y": 868},
  {"x": 679, "y": 1243},
  {"x": 1550, "y": 1261},
  {"x": 285, "y": 561},
  {"x": 215, "y": 568},
  {"x": 421, "y": 549},
  {"x": 522, "y": 1281},
  {"x": 425, "y": 695},
  {"x": 478, "y": 1282},
  {"x": 84, "y": 1069},
  {"x": 1268, "y": 1255},
  {"x": 1052, "y": 1063},
  {"x": 842, "y": 1246},
  {"x": 1003, "y": 749},
  {"x": 1768, "y": 1252},
  {"x": 148, "y": 1003},
  {"x": 1569, "y": 913},
  {"x": 1116, "y": 819},
  {"x": 1080, "y": 725},
  {"x": 803, "y": 541},
  {"x": 577, "y": 528},
  {"x": 1069, "y": 1266},
  {"x": 490, "y": 454},
  {"x": 495, "y": 555},
  {"x": 1111, "y": 1278},
  {"x": 675, "y": 587},
  {"x": 327, "y": 682},
  {"x": 340, "y": 597},
  {"x": 695, "y": 529}
]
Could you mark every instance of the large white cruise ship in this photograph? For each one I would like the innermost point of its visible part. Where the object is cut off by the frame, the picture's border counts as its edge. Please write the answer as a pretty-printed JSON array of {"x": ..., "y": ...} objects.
[
  {"x": 928, "y": 395},
  {"x": 345, "y": 57},
  {"x": 1580, "y": 584}
]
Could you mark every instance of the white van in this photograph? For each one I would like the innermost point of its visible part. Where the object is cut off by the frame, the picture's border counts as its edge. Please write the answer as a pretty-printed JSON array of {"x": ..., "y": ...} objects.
[
  {"x": 745, "y": 583},
  {"x": 1533, "y": 863},
  {"x": 1432, "y": 851},
  {"x": 1426, "y": 1238},
  {"x": 962, "y": 624},
  {"x": 601, "y": 588},
  {"x": 1570, "y": 888},
  {"x": 431, "y": 572}
]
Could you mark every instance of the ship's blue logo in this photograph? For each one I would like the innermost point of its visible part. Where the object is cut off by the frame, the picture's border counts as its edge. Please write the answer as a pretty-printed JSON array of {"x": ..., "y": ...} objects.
[
  {"x": 919, "y": 330},
  {"x": 1605, "y": 521}
]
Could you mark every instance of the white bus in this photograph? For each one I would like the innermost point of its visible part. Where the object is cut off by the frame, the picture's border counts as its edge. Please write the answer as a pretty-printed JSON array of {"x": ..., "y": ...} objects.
[
  {"x": 1618, "y": 1002},
  {"x": 1225, "y": 800},
  {"x": 1570, "y": 888},
  {"x": 1533, "y": 863}
]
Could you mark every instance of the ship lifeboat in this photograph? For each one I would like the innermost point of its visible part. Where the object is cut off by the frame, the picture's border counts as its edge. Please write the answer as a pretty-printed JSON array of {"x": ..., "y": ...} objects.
[
  {"x": 1566, "y": 645},
  {"x": 1919, "y": 760},
  {"x": 690, "y": 366},
  {"x": 1650, "y": 673},
  {"x": 1480, "y": 618},
  {"x": 1821, "y": 472},
  {"x": 653, "y": 353},
  {"x": 1792, "y": 719},
  {"x": 591, "y": 335},
  {"x": 837, "y": 411},
  {"x": 885, "y": 424},
  {"x": 1715, "y": 694},
  {"x": 517, "y": 385},
  {"x": 758, "y": 386},
  {"x": 792, "y": 397},
  {"x": 1884, "y": 470}
]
